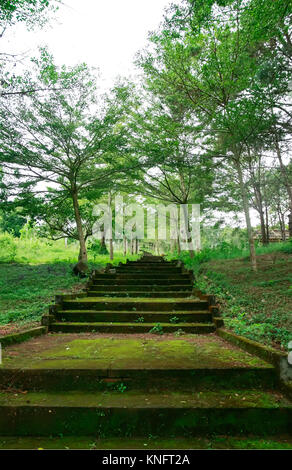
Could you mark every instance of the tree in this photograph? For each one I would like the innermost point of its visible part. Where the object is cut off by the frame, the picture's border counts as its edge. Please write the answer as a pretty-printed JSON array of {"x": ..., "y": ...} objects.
[
  {"x": 172, "y": 168},
  {"x": 63, "y": 138},
  {"x": 209, "y": 53},
  {"x": 30, "y": 12}
]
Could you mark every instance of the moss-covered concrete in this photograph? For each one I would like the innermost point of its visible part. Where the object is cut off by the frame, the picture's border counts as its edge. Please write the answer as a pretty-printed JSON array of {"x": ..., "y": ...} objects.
[
  {"x": 16, "y": 338},
  {"x": 116, "y": 327},
  {"x": 253, "y": 347},
  {"x": 90, "y": 443},
  {"x": 190, "y": 352},
  {"x": 138, "y": 414}
]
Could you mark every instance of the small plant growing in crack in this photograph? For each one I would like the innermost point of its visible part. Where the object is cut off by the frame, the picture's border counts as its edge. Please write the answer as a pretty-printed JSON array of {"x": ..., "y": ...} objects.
[
  {"x": 179, "y": 332},
  {"x": 140, "y": 320},
  {"x": 174, "y": 320},
  {"x": 121, "y": 387},
  {"x": 157, "y": 329}
]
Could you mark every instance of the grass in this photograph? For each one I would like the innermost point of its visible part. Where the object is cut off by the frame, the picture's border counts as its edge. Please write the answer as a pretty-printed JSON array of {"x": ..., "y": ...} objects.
[
  {"x": 255, "y": 305},
  {"x": 39, "y": 270}
]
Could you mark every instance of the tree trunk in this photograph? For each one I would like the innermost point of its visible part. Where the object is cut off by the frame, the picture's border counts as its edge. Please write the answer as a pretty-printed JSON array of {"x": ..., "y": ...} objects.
[
  {"x": 247, "y": 215},
  {"x": 111, "y": 235},
  {"x": 172, "y": 246},
  {"x": 267, "y": 225},
  {"x": 125, "y": 246},
  {"x": 187, "y": 229},
  {"x": 111, "y": 249},
  {"x": 82, "y": 243},
  {"x": 260, "y": 209},
  {"x": 178, "y": 246},
  {"x": 286, "y": 182}
]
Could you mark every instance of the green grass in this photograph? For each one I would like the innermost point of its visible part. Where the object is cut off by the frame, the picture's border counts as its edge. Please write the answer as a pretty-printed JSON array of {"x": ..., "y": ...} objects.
[
  {"x": 40, "y": 269},
  {"x": 255, "y": 305}
]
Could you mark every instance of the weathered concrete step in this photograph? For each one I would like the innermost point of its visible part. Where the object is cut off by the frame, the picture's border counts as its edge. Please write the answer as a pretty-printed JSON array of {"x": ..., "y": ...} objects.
[
  {"x": 218, "y": 442},
  {"x": 139, "y": 293},
  {"x": 127, "y": 328},
  {"x": 138, "y": 282},
  {"x": 90, "y": 376},
  {"x": 131, "y": 317},
  {"x": 143, "y": 287},
  {"x": 140, "y": 269},
  {"x": 154, "y": 275},
  {"x": 139, "y": 414},
  {"x": 135, "y": 304}
]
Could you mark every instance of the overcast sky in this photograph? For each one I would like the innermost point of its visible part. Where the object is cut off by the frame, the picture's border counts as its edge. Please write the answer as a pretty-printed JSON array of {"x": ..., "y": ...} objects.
[{"x": 103, "y": 33}]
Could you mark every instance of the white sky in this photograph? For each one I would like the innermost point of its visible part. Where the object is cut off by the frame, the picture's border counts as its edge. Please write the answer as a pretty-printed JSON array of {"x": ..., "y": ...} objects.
[{"x": 103, "y": 33}]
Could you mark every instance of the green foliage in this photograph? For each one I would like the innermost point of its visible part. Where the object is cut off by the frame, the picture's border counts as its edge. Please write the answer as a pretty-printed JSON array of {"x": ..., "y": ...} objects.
[
  {"x": 30, "y": 12},
  {"x": 174, "y": 320},
  {"x": 179, "y": 332},
  {"x": 8, "y": 248},
  {"x": 95, "y": 247},
  {"x": 27, "y": 291},
  {"x": 140, "y": 320},
  {"x": 157, "y": 329}
]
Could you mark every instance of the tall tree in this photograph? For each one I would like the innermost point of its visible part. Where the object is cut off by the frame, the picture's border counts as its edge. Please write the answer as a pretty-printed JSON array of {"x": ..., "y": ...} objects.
[{"x": 64, "y": 138}]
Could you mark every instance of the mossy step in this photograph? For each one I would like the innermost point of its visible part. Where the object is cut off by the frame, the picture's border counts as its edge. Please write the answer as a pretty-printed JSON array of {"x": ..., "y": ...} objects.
[
  {"x": 62, "y": 378},
  {"x": 143, "y": 287},
  {"x": 65, "y": 361},
  {"x": 135, "y": 304},
  {"x": 139, "y": 293},
  {"x": 146, "y": 275},
  {"x": 148, "y": 443},
  {"x": 77, "y": 327},
  {"x": 124, "y": 316},
  {"x": 116, "y": 414},
  {"x": 139, "y": 270},
  {"x": 139, "y": 282}
]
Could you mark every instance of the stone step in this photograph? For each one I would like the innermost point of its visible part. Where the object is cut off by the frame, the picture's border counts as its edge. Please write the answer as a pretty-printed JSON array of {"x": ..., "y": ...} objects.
[
  {"x": 143, "y": 287},
  {"x": 132, "y": 317},
  {"x": 139, "y": 293},
  {"x": 91, "y": 361},
  {"x": 110, "y": 280},
  {"x": 130, "y": 328},
  {"x": 149, "y": 275},
  {"x": 89, "y": 376},
  {"x": 134, "y": 304},
  {"x": 141, "y": 269},
  {"x": 116, "y": 414},
  {"x": 218, "y": 442}
]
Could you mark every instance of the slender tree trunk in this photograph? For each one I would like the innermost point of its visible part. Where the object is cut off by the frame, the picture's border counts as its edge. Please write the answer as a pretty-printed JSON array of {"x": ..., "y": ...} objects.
[
  {"x": 102, "y": 243},
  {"x": 178, "y": 246},
  {"x": 125, "y": 246},
  {"x": 187, "y": 229},
  {"x": 267, "y": 225},
  {"x": 282, "y": 225},
  {"x": 111, "y": 245},
  {"x": 260, "y": 209},
  {"x": 247, "y": 215},
  {"x": 82, "y": 243},
  {"x": 172, "y": 246},
  {"x": 286, "y": 182}
]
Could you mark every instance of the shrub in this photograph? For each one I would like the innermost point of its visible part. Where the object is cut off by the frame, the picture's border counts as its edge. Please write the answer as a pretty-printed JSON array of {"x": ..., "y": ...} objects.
[{"x": 8, "y": 248}]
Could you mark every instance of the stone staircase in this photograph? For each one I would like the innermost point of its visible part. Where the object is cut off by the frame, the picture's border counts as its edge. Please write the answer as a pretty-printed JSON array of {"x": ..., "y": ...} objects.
[
  {"x": 134, "y": 298},
  {"x": 89, "y": 381}
]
